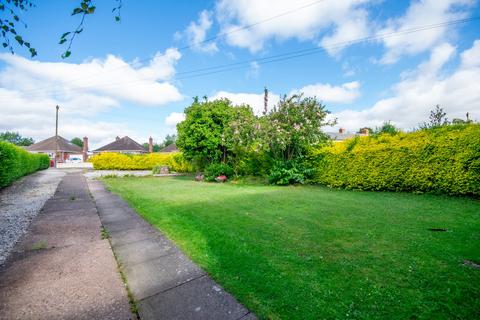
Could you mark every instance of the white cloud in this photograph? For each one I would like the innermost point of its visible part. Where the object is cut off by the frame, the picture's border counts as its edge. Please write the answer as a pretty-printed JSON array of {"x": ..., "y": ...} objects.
[
  {"x": 29, "y": 91},
  {"x": 254, "y": 70},
  {"x": 421, "y": 13},
  {"x": 345, "y": 93},
  {"x": 196, "y": 33},
  {"x": 146, "y": 85},
  {"x": 174, "y": 118},
  {"x": 341, "y": 20},
  {"x": 421, "y": 89}
]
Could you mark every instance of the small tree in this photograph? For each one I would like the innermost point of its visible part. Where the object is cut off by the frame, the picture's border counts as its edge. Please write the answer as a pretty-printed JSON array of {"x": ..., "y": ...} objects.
[
  {"x": 437, "y": 118},
  {"x": 77, "y": 141},
  {"x": 388, "y": 128},
  {"x": 15, "y": 138},
  {"x": 169, "y": 139},
  {"x": 202, "y": 135}
]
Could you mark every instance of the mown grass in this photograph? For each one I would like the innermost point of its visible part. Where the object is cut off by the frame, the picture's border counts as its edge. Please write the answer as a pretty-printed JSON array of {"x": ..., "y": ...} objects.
[{"x": 316, "y": 253}]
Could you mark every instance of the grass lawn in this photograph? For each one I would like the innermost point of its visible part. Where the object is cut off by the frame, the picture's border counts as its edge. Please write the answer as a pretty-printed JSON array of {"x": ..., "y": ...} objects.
[{"x": 316, "y": 253}]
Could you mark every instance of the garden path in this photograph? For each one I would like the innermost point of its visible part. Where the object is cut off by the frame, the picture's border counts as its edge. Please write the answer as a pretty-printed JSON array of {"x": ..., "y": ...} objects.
[
  {"x": 164, "y": 282},
  {"x": 61, "y": 268}
]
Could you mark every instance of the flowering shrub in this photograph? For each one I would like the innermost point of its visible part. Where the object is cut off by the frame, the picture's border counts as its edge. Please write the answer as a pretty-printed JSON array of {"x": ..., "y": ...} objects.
[
  {"x": 444, "y": 159},
  {"x": 292, "y": 127},
  {"x": 119, "y": 161},
  {"x": 16, "y": 162}
]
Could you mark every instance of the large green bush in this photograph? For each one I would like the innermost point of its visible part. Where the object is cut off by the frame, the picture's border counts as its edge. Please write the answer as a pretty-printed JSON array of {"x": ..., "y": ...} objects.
[
  {"x": 16, "y": 162},
  {"x": 444, "y": 159}
]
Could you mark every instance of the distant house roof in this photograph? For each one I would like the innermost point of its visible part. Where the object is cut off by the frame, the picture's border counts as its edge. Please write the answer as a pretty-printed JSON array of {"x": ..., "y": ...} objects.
[
  {"x": 49, "y": 145},
  {"x": 170, "y": 148},
  {"x": 125, "y": 144},
  {"x": 337, "y": 136}
]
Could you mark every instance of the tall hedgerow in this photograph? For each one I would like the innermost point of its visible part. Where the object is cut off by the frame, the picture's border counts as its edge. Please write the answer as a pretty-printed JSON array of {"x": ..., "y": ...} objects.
[
  {"x": 16, "y": 162},
  {"x": 444, "y": 159}
]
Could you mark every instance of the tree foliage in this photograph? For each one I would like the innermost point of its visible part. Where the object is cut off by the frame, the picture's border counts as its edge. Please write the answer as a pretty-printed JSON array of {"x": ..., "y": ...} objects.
[
  {"x": 16, "y": 138},
  {"x": 169, "y": 139},
  {"x": 10, "y": 19},
  {"x": 217, "y": 132},
  {"x": 205, "y": 136},
  {"x": 77, "y": 141},
  {"x": 388, "y": 128},
  {"x": 293, "y": 126},
  {"x": 437, "y": 118}
]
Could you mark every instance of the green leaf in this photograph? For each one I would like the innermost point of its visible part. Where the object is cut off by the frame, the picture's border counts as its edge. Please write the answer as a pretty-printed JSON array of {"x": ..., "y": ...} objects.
[
  {"x": 15, "y": 17},
  {"x": 91, "y": 9},
  {"x": 66, "y": 54},
  {"x": 33, "y": 52},
  {"x": 62, "y": 41},
  {"x": 77, "y": 11},
  {"x": 117, "y": 18},
  {"x": 78, "y": 31},
  {"x": 64, "y": 35},
  {"x": 27, "y": 44},
  {"x": 4, "y": 44},
  {"x": 19, "y": 40}
]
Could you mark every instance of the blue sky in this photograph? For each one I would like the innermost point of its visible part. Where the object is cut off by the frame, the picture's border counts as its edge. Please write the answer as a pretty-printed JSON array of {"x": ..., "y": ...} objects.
[{"x": 104, "y": 92}]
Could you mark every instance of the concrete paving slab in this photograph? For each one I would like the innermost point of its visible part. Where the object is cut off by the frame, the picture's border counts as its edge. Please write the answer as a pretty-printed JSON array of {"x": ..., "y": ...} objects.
[
  {"x": 144, "y": 250},
  {"x": 123, "y": 237},
  {"x": 44, "y": 232},
  {"x": 200, "y": 299},
  {"x": 154, "y": 276},
  {"x": 67, "y": 283},
  {"x": 61, "y": 205},
  {"x": 121, "y": 212},
  {"x": 125, "y": 224},
  {"x": 113, "y": 203},
  {"x": 67, "y": 214}
]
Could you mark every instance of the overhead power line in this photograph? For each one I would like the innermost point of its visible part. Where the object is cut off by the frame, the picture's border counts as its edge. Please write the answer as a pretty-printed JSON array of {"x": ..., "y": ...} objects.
[
  {"x": 284, "y": 56},
  {"x": 199, "y": 43}
]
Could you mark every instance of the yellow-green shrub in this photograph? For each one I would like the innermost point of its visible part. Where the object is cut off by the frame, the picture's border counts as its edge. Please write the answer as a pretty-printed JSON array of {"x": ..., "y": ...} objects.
[
  {"x": 445, "y": 159},
  {"x": 119, "y": 161},
  {"x": 16, "y": 162}
]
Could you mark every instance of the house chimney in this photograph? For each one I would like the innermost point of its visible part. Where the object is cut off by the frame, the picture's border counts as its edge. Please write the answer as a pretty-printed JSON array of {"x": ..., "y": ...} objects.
[
  {"x": 150, "y": 144},
  {"x": 117, "y": 138},
  {"x": 365, "y": 131},
  {"x": 341, "y": 130},
  {"x": 85, "y": 149}
]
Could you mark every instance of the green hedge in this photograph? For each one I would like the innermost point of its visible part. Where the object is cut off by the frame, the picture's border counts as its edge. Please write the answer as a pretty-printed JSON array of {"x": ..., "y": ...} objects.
[
  {"x": 444, "y": 159},
  {"x": 16, "y": 162},
  {"x": 119, "y": 161}
]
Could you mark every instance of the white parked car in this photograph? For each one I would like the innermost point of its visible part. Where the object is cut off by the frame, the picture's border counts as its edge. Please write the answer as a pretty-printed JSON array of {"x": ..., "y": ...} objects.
[{"x": 74, "y": 160}]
